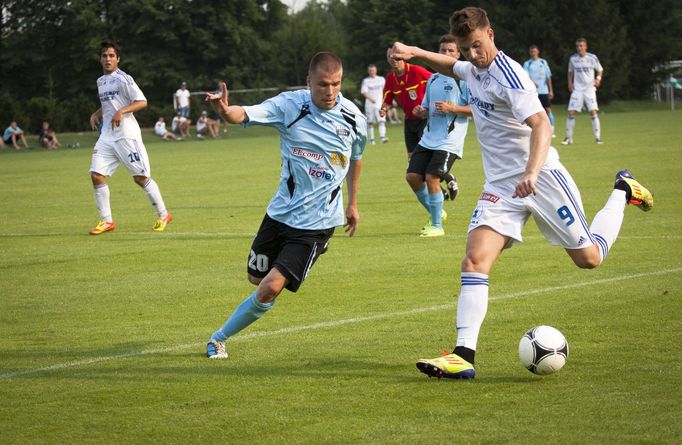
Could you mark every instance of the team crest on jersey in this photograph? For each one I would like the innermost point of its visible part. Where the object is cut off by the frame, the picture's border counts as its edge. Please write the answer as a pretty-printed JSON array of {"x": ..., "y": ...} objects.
[
  {"x": 486, "y": 82},
  {"x": 581, "y": 241},
  {"x": 485, "y": 196},
  {"x": 448, "y": 87},
  {"x": 306, "y": 154},
  {"x": 343, "y": 132},
  {"x": 412, "y": 94},
  {"x": 339, "y": 159}
]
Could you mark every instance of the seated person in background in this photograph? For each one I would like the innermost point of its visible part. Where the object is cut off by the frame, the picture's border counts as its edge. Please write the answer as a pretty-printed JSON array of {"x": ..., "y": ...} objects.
[
  {"x": 213, "y": 122},
  {"x": 392, "y": 114},
  {"x": 202, "y": 125},
  {"x": 12, "y": 133},
  {"x": 160, "y": 130},
  {"x": 180, "y": 126},
  {"x": 47, "y": 137}
]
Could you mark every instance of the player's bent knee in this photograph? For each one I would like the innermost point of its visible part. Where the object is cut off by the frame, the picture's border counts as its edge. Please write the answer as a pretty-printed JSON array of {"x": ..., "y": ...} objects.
[{"x": 254, "y": 280}]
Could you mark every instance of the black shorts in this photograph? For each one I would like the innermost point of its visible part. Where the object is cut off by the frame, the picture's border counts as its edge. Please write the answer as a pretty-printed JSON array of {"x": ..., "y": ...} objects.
[
  {"x": 544, "y": 100},
  {"x": 434, "y": 162},
  {"x": 292, "y": 251},
  {"x": 413, "y": 133}
]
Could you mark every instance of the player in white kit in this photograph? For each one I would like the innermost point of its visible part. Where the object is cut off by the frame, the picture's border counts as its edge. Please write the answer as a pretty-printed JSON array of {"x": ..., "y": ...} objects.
[
  {"x": 523, "y": 178},
  {"x": 584, "y": 77},
  {"x": 373, "y": 89},
  {"x": 120, "y": 141}
]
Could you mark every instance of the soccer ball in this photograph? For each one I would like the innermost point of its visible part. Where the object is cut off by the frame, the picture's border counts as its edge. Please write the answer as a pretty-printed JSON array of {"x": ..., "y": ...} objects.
[{"x": 543, "y": 350}]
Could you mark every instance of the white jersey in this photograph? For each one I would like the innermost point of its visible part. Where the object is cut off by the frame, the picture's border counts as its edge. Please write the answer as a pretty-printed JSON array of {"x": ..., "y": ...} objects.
[
  {"x": 160, "y": 128},
  {"x": 374, "y": 88},
  {"x": 502, "y": 97},
  {"x": 583, "y": 69},
  {"x": 182, "y": 97},
  {"x": 117, "y": 90}
]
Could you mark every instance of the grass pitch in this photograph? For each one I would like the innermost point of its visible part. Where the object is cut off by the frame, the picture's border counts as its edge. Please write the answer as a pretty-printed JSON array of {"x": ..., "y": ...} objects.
[{"x": 102, "y": 338}]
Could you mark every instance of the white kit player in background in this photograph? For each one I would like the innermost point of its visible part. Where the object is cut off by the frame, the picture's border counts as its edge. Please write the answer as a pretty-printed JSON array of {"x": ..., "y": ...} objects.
[
  {"x": 120, "y": 141},
  {"x": 373, "y": 89},
  {"x": 524, "y": 178},
  {"x": 584, "y": 77}
]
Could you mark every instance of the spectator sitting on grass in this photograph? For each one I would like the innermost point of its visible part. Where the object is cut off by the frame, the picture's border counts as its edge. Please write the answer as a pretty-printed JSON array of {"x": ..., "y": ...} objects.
[
  {"x": 160, "y": 130},
  {"x": 180, "y": 126},
  {"x": 12, "y": 133},
  {"x": 47, "y": 137}
]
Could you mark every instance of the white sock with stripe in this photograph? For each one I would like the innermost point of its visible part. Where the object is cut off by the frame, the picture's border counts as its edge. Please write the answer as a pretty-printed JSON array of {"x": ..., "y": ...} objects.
[
  {"x": 570, "y": 126},
  {"x": 101, "y": 193},
  {"x": 606, "y": 224},
  {"x": 382, "y": 130},
  {"x": 154, "y": 195},
  {"x": 596, "y": 127},
  {"x": 472, "y": 306}
]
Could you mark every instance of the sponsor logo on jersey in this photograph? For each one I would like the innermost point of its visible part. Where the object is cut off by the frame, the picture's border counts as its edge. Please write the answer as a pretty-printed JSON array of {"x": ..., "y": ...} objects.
[
  {"x": 108, "y": 95},
  {"x": 485, "y": 196},
  {"x": 306, "y": 154},
  {"x": 339, "y": 159},
  {"x": 485, "y": 107},
  {"x": 321, "y": 172}
]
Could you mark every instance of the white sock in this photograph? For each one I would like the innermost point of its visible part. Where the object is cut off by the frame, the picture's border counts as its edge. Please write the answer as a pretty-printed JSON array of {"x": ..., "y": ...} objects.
[
  {"x": 596, "y": 127},
  {"x": 570, "y": 126},
  {"x": 102, "y": 201},
  {"x": 606, "y": 224},
  {"x": 382, "y": 130},
  {"x": 370, "y": 132},
  {"x": 154, "y": 195},
  {"x": 472, "y": 306}
]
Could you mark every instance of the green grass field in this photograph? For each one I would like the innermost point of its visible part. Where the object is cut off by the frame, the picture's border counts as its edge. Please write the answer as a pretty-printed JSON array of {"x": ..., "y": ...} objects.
[{"x": 102, "y": 339}]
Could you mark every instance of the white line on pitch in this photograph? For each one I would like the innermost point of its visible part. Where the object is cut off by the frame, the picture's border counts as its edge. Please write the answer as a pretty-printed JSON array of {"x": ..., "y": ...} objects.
[{"x": 331, "y": 324}]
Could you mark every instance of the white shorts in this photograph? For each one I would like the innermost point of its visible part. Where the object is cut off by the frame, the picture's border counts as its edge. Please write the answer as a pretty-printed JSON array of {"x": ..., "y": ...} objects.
[
  {"x": 372, "y": 114},
  {"x": 107, "y": 155},
  {"x": 557, "y": 209},
  {"x": 587, "y": 97}
]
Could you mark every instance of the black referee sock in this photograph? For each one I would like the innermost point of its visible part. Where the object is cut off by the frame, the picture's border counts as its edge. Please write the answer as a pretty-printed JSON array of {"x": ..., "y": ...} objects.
[
  {"x": 466, "y": 353},
  {"x": 624, "y": 186}
]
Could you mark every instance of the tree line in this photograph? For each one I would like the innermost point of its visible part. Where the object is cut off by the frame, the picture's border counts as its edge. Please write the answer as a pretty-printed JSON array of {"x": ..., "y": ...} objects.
[{"x": 49, "y": 49}]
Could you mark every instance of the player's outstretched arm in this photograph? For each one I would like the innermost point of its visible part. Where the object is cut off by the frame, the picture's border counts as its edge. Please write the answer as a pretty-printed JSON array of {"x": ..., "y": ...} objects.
[
  {"x": 352, "y": 180},
  {"x": 233, "y": 114},
  {"x": 438, "y": 62}
]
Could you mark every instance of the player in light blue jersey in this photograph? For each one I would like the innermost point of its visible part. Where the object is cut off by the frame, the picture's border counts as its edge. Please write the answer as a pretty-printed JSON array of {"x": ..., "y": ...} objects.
[
  {"x": 539, "y": 72},
  {"x": 445, "y": 106},
  {"x": 322, "y": 138}
]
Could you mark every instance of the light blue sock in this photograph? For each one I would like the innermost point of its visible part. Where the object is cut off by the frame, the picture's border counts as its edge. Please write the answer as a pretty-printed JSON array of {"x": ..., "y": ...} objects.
[
  {"x": 551, "y": 118},
  {"x": 423, "y": 197},
  {"x": 436, "y": 208},
  {"x": 246, "y": 313}
]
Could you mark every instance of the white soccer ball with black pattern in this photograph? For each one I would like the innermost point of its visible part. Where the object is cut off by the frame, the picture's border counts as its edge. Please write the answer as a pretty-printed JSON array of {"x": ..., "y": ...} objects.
[{"x": 543, "y": 350}]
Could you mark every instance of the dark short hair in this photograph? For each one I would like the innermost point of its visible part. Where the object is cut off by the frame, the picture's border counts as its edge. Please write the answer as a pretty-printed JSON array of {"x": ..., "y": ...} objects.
[
  {"x": 110, "y": 44},
  {"x": 325, "y": 61},
  {"x": 371, "y": 65},
  {"x": 533, "y": 46},
  {"x": 447, "y": 38},
  {"x": 581, "y": 39},
  {"x": 467, "y": 20}
]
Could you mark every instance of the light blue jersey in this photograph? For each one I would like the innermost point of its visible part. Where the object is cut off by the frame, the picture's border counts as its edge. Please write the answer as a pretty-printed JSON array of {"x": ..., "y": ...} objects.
[
  {"x": 539, "y": 72},
  {"x": 316, "y": 148},
  {"x": 9, "y": 131},
  {"x": 445, "y": 131}
]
